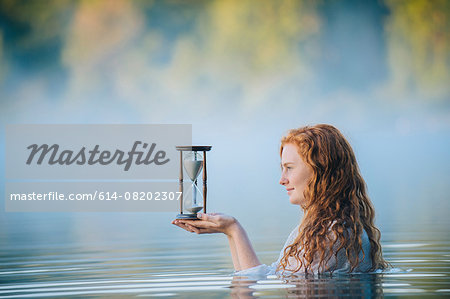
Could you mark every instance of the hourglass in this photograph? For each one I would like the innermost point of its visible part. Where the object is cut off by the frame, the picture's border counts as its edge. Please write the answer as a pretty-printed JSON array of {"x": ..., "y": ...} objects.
[{"x": 193, "y": 196}]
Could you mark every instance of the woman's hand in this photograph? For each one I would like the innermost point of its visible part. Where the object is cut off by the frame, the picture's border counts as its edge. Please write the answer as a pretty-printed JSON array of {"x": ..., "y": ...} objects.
[{"x": 210, "y": 223}]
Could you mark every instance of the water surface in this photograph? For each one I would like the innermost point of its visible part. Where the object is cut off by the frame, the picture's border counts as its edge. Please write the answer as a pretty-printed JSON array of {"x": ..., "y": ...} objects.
[{"x": 76, "y": 255}]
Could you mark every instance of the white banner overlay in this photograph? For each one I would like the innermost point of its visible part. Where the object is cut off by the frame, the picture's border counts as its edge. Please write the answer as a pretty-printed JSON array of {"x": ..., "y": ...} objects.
[{"x": 93, "y": 168}]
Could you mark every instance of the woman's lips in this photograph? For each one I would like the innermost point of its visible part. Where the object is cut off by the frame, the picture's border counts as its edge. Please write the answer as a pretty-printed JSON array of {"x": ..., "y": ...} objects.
[{"x": 289, "y": 190}]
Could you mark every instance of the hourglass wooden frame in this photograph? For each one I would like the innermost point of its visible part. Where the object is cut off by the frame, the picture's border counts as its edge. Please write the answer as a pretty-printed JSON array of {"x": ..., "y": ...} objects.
[{"x": 195, "y": 149}]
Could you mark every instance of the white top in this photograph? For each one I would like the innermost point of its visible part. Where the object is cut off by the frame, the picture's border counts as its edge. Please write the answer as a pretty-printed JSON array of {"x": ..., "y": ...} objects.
[{"x": 339, "y": 263}]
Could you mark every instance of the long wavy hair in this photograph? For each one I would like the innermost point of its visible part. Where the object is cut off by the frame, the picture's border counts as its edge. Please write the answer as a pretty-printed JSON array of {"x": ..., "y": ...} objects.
[{"x": 337, "y": 208}]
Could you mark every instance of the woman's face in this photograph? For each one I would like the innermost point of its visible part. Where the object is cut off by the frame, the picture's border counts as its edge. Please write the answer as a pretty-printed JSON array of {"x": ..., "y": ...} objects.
[{"x": 295, "y": 174}]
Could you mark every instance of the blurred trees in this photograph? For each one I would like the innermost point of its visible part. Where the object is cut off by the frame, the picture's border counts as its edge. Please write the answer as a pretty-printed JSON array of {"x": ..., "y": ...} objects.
[
  {"x": 418, "y": 32},
  {"x": 221, "y": 39}
]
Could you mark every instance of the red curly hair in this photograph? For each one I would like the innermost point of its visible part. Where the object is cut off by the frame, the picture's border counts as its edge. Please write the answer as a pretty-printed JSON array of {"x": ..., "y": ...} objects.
[{"x": 337, "y": 208}]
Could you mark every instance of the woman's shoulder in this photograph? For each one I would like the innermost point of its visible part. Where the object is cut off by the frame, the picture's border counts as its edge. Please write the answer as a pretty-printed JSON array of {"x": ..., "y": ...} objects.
[
  {"x": 295, "y": 230},
  {"x": 290, "y": 239},
  {"x": 293, "y": 235}
]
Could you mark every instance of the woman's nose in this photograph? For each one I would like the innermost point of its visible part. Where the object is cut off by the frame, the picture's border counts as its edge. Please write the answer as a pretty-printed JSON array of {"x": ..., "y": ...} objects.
[{"x": 283, "y": 180}]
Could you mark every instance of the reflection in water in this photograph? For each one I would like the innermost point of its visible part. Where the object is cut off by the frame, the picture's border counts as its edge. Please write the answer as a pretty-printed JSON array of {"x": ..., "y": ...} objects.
[
  {"x": 241, "y": 288},
  {"x": 353, "y": 286},
  {"x": 357, "y": 286}
]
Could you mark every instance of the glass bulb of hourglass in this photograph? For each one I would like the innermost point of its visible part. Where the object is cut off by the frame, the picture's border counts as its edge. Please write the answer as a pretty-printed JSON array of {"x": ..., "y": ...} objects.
[
  {"x": 193, "y": 164},
  {"x": 193, "y": 200}
]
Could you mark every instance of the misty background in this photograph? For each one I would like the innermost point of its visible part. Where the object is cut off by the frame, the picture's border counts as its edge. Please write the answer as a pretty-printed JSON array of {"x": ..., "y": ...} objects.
[{"x": 242, "y": 73}]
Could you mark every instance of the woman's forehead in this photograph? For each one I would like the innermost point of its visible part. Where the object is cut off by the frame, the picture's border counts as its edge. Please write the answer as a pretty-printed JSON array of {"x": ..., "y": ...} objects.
[{"x": 290, "y": 153}]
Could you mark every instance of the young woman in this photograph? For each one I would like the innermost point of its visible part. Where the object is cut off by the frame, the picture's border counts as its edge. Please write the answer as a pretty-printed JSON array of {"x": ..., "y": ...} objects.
[{"x": 337, "y": 232}]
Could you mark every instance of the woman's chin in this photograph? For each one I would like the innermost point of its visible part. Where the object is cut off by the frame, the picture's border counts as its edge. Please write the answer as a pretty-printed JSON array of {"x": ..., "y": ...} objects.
[{"x": 294, "y": 201}]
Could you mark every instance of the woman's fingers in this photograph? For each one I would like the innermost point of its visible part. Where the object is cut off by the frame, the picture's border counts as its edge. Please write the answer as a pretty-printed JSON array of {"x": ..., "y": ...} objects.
[
  {"x": 182, "y": 225},
  {"x": 192, "y": 228},
  {"x": 199, "y": 224},
  {"x": 185, "y": 225},
  {"x": 211, "y": 217}
]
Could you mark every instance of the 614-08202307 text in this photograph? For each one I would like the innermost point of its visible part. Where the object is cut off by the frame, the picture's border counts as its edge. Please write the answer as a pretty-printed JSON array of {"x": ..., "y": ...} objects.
[{"x": 98, "y": 195}]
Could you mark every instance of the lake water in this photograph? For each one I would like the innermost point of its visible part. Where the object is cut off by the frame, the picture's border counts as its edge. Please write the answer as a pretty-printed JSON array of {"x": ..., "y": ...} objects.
[{"x": 142, "y": 255}]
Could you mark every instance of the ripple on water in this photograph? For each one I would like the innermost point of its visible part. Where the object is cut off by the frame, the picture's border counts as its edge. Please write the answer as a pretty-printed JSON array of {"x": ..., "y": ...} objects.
[{"x": 419, "y": 268}]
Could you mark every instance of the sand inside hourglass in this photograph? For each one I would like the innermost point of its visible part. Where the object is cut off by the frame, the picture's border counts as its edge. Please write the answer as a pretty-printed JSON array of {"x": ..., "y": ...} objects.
[
  {"x": 193, "y": 168},
  {"x": 194, "y": 210}
]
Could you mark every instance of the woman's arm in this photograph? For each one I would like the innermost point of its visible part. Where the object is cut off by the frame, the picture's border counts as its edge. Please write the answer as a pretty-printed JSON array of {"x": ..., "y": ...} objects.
[
  {"x": 242, "y": 252},
  {"x": 246, "y": 256},
  {"x": 234, "y": 254}
]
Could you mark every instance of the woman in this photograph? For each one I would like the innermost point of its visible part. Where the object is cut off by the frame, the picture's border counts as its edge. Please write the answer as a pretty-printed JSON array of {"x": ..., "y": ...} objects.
[{"x": 337, "y": 232}]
